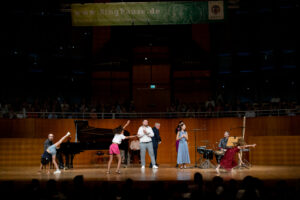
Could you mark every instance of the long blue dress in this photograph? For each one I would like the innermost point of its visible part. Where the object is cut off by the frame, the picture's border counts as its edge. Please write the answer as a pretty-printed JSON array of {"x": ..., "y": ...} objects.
[{"x": 183, "y": 155}]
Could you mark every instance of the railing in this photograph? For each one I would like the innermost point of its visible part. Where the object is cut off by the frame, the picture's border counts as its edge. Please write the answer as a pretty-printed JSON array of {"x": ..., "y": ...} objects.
[{"x": 93, "y": 115}]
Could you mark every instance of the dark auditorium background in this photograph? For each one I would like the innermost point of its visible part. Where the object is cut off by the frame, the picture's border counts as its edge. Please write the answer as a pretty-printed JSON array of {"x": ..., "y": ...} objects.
[
  {"x": 210, "y": 75},
  {"x": 242, "y": 63}
]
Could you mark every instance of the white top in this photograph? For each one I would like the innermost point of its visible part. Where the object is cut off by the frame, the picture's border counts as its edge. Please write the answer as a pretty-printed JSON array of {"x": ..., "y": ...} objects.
[
  {"x": 135, "y": 145},
  {"x": 118, "y": 138},
  {"x": 145, "y": 137}
]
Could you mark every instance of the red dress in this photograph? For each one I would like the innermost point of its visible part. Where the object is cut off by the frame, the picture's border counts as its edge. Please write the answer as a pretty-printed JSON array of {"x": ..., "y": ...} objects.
[{"x": 228, "y": 161}]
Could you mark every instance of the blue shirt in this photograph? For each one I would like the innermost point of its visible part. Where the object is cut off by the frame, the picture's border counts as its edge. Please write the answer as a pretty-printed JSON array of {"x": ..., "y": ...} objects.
[{"x": 223, "y": 143}]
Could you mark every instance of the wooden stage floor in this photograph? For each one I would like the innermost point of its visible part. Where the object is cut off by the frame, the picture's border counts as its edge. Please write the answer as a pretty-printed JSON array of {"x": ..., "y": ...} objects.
[{"x": 164, "y": 173}]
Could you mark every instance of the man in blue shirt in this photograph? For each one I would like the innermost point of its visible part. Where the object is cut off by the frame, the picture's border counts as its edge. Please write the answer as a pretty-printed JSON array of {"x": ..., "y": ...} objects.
[{"x": 223, "y": 141}]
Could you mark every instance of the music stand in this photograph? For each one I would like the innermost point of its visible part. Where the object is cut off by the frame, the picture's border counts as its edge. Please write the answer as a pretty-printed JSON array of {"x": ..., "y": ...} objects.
[
  {"x": 232, "y": 141},
  {"x": 195, "y": 138}
]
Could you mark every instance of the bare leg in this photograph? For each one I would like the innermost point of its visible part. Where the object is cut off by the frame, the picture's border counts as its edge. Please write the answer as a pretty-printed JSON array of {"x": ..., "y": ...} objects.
[
  {"x": 232, "y": 171},
  {"x": 109, "y": 163},
  {"x": 48, "y": 170},
  {"x": 62, "y": 139},
  {"x": 54, "y": 162},
  {"x": 240, "y": 158},
  {"x": 218, "y": 169},
  {"x": 119, "y": 163}
]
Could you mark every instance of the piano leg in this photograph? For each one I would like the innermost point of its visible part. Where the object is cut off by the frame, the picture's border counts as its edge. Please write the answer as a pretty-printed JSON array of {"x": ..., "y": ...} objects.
[
  {"x": 126, "y": 157},
  {"x": 71, "y": 163},
  {"x": 60, "y": 160},
  {"x": 69, "y": 160}
]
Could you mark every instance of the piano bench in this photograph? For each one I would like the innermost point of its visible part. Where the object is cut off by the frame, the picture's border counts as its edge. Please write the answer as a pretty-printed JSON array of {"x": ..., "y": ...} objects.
[{"x": 102, "y": 156}]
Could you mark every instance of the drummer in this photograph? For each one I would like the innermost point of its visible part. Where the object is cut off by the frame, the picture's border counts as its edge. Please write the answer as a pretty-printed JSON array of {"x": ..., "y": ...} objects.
[
  {"x": 223, "y": 148},
  {"x": 223, "y": 141}
]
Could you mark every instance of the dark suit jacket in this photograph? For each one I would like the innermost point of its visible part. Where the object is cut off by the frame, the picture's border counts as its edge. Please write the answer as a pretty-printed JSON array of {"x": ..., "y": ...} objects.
[
  {"x": 47, "y": 144},
  {"x": 156, "y": 138}
]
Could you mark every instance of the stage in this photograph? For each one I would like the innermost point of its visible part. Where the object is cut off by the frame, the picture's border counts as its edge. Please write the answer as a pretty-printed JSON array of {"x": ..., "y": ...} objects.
[{"x": 164, "y": 173}]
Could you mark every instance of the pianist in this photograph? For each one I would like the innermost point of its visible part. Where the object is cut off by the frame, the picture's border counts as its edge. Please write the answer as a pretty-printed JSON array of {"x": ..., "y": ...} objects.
[
  {"x": 134, "y": 149},
  {"x": 48, "y": 142}
]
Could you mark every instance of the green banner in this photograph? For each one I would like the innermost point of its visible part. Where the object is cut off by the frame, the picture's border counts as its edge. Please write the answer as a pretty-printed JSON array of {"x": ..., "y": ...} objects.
[{"x": 146, "y": 13}]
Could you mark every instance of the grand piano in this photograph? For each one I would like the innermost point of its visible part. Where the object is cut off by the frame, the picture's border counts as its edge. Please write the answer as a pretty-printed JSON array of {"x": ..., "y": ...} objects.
[{"x": 91, "y": 138}]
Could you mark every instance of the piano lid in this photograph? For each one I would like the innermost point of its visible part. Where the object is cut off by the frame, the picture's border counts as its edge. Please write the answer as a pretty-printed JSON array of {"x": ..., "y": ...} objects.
[{"x": 92, "y": 138}]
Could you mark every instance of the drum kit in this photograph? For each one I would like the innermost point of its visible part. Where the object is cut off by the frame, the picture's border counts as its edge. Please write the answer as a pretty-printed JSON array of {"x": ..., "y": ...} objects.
[
  {"x": 208, "y": 155},
  {"x": 208, "y": 151}
]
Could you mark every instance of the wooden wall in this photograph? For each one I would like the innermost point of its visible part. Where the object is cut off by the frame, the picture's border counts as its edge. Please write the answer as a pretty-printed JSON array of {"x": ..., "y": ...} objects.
[
  {"x": 275, "y": 150},
  {"x": 258, "y": 130},
  {"x": 107, "y": 86},
  {"x": 192, "y": 85},
  {"x": 146, "y": 99}
]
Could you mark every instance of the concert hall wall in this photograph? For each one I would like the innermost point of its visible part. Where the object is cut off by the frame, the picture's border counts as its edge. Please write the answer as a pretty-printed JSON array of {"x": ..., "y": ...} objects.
[{"x": 278, "y": 138}]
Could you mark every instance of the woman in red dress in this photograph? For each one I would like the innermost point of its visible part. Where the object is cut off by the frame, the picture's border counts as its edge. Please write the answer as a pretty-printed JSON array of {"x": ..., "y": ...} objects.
[{"x": 228, "y": 161}]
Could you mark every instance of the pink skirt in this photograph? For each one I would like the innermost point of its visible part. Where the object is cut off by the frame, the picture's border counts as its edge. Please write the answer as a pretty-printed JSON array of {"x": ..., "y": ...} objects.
[{"x": 114, "y": 149}]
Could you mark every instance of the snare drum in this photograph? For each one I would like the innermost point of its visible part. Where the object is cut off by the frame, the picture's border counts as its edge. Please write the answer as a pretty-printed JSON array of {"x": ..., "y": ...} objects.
[
  {"x": 219, "y": 158},
  {"x": 208, "y": 154},
  {"x": 220, "y": 152},
  {"x": 201, "y": 149},
  {"x": 219, "y": 155}
]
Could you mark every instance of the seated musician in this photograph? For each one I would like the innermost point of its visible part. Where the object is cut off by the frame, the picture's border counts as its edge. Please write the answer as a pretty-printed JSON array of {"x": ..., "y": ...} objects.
[
  {"x": 228, "y": 161},
  {"x": 223, "y": 141},
  {"x": 223, "y": 148},
  {"x": 135, "y": 149},
  {"x": 48, "y": 142}
]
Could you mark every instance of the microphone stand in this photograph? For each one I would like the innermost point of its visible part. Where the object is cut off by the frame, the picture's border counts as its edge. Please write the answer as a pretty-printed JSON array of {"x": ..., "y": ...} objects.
[{"x": 195, "y": 136}]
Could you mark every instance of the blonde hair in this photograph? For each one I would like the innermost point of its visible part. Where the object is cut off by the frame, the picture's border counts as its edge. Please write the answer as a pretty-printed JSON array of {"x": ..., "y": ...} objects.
[{"x": 241, "y": 142}]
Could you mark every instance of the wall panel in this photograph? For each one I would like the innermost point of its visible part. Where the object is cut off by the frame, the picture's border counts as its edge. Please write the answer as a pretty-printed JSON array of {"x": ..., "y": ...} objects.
[{"x": 261, "y": 130}]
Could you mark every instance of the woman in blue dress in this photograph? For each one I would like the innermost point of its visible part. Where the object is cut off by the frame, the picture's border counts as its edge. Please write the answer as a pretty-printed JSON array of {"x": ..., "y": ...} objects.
[{"x": 183, "y": 156}]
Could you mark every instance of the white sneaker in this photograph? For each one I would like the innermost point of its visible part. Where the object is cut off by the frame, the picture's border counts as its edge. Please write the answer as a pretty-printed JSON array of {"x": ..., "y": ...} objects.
[
  {"x": 57, "y": 172},
  {"x": 143, "y": 167},
  {"x": 155, "y": 167}
]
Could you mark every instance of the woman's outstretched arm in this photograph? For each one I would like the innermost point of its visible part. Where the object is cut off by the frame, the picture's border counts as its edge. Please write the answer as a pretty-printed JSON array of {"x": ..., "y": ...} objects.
[
  {"x": 246, "y": 146},
  {"x": 127, "y": 123}
]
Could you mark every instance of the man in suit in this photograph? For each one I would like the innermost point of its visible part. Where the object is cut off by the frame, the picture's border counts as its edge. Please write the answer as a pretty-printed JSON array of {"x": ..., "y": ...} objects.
[
  {"x": 156, "y": 140},
  {"x": 48, "y": 142}
]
